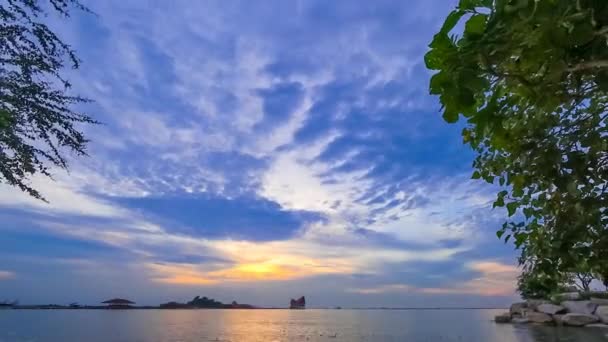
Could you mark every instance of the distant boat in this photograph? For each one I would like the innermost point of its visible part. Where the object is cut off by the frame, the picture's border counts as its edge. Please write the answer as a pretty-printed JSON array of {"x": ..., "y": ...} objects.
[
  {"x": 298, "y": 304},
  {"x": 118, "y": 303}
]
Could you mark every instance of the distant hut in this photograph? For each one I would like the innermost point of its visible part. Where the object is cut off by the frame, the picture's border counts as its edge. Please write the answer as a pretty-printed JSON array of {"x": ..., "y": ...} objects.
[
  {"x": 298, "y": 304},
  {"x": 118, "y": 303}
]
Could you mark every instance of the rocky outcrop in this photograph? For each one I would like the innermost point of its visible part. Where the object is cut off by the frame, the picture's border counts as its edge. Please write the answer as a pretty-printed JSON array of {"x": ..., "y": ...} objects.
[
  {"x": 591, "y": 311},
  {"x": 520, "y": 320},
  {"x": 598, "y": 301},
  {"x": 579, "y": 320},
  {"x": 518, "y": 308},
  {"x": 597, "y": 325},
  {"x": 550, "y": 309},
  {"x": 558, "y": 319},
  {"x": 539, "y": 317},
  {"x": 569, "y": 296},
  {"x": 534, "y": 303},
  {"x": 503, "y": 318},
  {"x": 602, "y": 313},
  {"x": 584, "y": 307}
]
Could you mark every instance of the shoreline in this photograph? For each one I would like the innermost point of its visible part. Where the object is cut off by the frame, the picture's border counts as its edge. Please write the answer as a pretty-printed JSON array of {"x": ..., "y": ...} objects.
[{"x": 40, "y": 307}]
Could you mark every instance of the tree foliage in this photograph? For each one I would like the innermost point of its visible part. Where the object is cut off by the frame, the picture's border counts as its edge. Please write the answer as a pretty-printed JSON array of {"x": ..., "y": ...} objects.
[
  {"x": 537, "y": 285},
  {"x": 37, "y": 122},
  {"x": 530, "y": 78}
]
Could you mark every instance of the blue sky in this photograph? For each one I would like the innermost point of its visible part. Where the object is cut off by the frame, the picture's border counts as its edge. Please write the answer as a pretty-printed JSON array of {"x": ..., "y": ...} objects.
[{"x": 258, "y": 151}]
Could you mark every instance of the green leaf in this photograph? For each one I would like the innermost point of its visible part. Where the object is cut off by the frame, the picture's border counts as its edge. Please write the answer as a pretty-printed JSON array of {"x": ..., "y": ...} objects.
[
  {"x": 450, "y": 116},
  {"x": 582, "y": 34},
  {"x": 433, "y": 60},
  {"x": 528, "y": 212},
  {"x": 476, "y": 175},
  {"x": 572, "y": 188},
  {"x": 472, "y": 4},
  {"x": 500, "y": 202},
  {"x": 466, "y": 98},
  {"x": 512, "y": 208},
  {"x": 500, "y": 233},
  {"x": 439, "y": 82},
  {"x": 451, "y": 21},
  {"x": 520, "y": 239},
  {"x": 476, "y": 25}
]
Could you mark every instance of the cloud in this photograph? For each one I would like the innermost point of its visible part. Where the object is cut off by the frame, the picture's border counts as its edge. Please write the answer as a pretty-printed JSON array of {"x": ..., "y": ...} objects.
[
  {"x": 208, "y": 216},
  {"x": 6, "y": 275},
  {"x": 263, "y": 144},
  {"x": 494, "y": 279}
]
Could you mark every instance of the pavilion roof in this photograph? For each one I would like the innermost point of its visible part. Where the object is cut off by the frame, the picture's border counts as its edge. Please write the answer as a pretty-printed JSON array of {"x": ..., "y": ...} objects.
[{"x": 118, "y": 301}]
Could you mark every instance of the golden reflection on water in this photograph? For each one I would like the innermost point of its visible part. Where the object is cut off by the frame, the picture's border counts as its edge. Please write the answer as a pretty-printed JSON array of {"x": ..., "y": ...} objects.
[{"x": 275, "y": 325}]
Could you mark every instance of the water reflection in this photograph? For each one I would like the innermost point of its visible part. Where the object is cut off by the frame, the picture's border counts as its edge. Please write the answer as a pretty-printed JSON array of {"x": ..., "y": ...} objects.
[{"x": 277, "y": 325}]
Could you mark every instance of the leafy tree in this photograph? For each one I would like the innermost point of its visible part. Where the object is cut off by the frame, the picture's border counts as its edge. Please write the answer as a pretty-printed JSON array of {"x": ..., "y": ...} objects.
[
  {"x": 37, "y": 122},
  {"x": 530, "y": 78},
  {"x": 532, "y": 284}
]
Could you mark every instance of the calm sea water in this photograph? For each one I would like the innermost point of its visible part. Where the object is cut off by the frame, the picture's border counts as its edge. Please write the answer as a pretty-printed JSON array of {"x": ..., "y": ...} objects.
[{"x": 276, "y": 325}]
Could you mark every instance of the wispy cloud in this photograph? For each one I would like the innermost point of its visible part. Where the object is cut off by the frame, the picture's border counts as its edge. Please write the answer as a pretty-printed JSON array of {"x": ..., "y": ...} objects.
[
  {"x": 256, "y": 143},
  {"x": 494, "y": 279},
  {"x": 6, "y": 275}
]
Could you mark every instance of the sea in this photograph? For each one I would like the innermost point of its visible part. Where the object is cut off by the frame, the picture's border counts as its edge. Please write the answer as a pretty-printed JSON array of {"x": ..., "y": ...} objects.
[{"x": 277, "y": 325}]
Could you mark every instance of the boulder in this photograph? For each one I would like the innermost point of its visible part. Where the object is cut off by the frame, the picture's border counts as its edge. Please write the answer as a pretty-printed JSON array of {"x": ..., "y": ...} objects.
[
  {"x": 539, "y": 317},
  {"x": 602, "y": 313},
  {"x": 519, "y": 320},
  {"x": 597, "y": 325},
  {"x": 581, "y": 307},
  {"x": 517, "y": 308},
  {"x": 558, "y": 319},
  {"x": 578, "y": 320},
  {"x": 598, "y": 301},
  {"x": 550, "y": 309},
  {"x": 568, "y": 296},
  {"x": 503, "y": 318},
  {"x": 534, "y": 303}
]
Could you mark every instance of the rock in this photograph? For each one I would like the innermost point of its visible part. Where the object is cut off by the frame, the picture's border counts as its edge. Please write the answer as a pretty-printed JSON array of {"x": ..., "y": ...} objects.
[
  {"x": 524, "y": 312},
  {"x": 598, "y": 301},
  {"x": 516, "y": 308},
  {"x": 519, "y": 320},
  {"x": 558, "y": 319},
  {"x": 568, "y": 296},
  {"x": 581, "y": 307},
  {"x": 602, "y": 313},
  {"x": 578, "y": 320},
  {"x": 539, "y": 317},
  {"x": 503, "y": 318},
  {"x": 550, "y": 309},
  {"x": 534, "y": 303},
  {"x": 597, "y": 325}
]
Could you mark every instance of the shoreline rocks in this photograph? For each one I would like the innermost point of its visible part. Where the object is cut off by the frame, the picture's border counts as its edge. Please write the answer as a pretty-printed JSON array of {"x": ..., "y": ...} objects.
[
  {"x": 591, "y": 313},
  {"x": 518, "y": 308},
  {"x": 539, "y": 317},
  {"x": 551, "y": 309},
  {"x": 580, "y": 307},
  {"x": 579, "y": 320},
  {"x": 602, "y": 313}
]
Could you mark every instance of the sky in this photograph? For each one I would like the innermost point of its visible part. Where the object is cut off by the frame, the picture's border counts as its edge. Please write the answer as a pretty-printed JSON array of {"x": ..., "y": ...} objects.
[{"x": 258, "y": 151}]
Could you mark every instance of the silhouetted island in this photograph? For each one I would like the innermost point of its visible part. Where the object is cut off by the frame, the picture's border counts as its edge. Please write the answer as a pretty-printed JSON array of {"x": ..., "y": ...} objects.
[{"x": 205, "y": 303}]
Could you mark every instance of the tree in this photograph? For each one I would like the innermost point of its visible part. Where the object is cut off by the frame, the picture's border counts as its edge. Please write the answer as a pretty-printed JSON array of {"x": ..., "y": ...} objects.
[
  {"x": 37, "y": 122},
  {"x": 530, "y": 78},
  {"x": 532, "y": 284}
]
